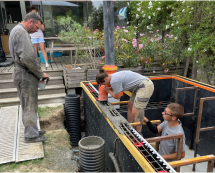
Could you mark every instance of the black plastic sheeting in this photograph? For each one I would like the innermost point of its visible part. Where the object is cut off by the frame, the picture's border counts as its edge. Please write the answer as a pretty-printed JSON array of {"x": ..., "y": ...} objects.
[
  {"x": 186, "y": 98},
  {"x": 97, "y": 125},
  {"x": 73, "y": 119}
]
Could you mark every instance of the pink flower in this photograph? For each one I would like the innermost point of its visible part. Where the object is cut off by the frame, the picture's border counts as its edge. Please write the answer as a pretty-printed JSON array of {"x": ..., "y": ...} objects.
[
  {"x": 157, "y": 31},
  {"x": 170, "y": 36},
  {"x": 165, "y": 39},
  {"x": 163, "y": 64},
  {"x": 179, "y": 41},
  {"x": 103, "y": 34},
  {"x": 157, "y": 39},
  {"x": 96, "y": 29},
  {"x": 170, "y": 62},
  {"x": 125, "y": 30},
  {"x": 166, "y": 47},
  {"x": 123, "y": 27},
  {"x": 141, "y": 35},
  {"x": 134, "y": 45},
  {"x": 163, "y": 45},
  {"x": 140, "y": 46},
  {"x": 117, "y": 27},
  {"x": 166, "y": 70},
  {"x": 166, "y": 35},
  {"x": 135, "y": 27},
  {"x": 134, "y": 42},
  {"x": 152, "y": 39},
  {"x": 159, "y": 54},
  {"x": 124, "y": 40},
  {"x": 103, "y": 57},
  {"x": 146, "y": 62},
  {"x": 101, "y": 61},
  {"x": 139, "y": 64},
  {"x": 135, "y": 33}
]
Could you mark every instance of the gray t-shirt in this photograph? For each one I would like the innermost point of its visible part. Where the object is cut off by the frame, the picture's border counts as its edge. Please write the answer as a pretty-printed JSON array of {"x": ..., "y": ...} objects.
[
  {"x": 125, "y": 81},
  {"x": 170, "y": 146}
]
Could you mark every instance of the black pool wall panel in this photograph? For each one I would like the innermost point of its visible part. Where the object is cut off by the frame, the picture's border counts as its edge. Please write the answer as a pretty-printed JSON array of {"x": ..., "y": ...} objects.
[
  {"x": 162, "y": 90},
  {"x": 97, "y": 125},
  {"x": 207, "y": 138},
  {"x": 186, "y": 98}
]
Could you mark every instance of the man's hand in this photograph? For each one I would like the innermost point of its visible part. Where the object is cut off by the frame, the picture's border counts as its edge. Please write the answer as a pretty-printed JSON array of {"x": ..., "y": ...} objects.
[
  {"x": 45, "y": 75},
  {"x": 107, "y": 89},
  {"x": 146, "y": 120}
]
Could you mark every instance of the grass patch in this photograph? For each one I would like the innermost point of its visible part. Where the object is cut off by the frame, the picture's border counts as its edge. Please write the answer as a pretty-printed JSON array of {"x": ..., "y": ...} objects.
[
  {"x": 45, "y": 112},
  {"x": 57, "y": 150}
]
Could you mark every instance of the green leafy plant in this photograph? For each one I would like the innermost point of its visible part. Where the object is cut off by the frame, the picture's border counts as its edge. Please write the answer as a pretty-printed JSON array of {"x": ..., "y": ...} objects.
[
  {"x": 192, "y": 22},
  {"x": 87, "y": 42}
]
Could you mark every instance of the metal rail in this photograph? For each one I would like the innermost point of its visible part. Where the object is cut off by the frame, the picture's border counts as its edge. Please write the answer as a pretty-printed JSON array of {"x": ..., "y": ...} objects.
[
  {"x": 178, "y": 136},
  {"x": 153, "y": 158},
  {"x": 198, "y": 128}
]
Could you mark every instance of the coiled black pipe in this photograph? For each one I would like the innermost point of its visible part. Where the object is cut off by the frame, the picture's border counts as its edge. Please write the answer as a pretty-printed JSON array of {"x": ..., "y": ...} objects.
[
  {"x": 92, "y": 154},
  {"x": 73, "y": 118}
]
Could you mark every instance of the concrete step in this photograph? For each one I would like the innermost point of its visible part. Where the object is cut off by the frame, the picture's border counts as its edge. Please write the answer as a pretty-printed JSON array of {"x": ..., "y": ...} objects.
[
  {"x": 52, "y": 73},
  {"x": 50, "y": 89},
  {"x": 42, "y": 99},
  {"x": 8, "y": 83}
]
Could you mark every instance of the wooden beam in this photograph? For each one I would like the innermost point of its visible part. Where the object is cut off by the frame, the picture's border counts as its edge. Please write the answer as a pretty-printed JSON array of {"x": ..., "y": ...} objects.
[
  {"x": 164, "y": 138},
  {"x": 139, "y": 123},
  {"x": 207, "y": 128},
  {"x": 192, "y": 161},
  {"x": 119, "y": 103}
]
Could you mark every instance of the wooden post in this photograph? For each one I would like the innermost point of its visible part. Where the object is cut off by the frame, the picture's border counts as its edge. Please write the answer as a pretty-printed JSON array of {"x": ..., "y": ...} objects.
[{"x": 210, "y": 166}]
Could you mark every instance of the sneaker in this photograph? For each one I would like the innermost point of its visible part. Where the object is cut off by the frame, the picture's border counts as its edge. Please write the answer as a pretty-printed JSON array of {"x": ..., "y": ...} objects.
[
  {"x": 37, "y": 139},
  {"x": 47, "y": 65},
  {"x": 42, "y": 132}
]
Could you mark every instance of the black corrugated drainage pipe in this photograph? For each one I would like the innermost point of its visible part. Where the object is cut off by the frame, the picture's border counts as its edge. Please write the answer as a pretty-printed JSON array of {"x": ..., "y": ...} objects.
[
  {"x": 73, "y": 119},
  {"x": 92, "y": 154}
]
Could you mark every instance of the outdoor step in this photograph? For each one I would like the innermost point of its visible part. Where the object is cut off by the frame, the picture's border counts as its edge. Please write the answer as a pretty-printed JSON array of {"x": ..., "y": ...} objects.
[
  {"x": 50, "y": 89},
  {"x": 52, "y": 73},
  {"x": 42, "y": 99},
  {"x": 8, "y": 83}
]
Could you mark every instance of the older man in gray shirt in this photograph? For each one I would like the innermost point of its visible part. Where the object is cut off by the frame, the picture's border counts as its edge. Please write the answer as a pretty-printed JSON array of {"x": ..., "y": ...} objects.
[{"x": 26, "y": 73}]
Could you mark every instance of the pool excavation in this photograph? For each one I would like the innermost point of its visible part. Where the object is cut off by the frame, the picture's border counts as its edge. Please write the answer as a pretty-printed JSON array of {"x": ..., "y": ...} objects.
[{"x": 127, "y": 151}]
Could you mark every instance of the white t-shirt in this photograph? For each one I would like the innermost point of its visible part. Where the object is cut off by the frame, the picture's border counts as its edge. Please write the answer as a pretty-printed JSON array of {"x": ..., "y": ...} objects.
[{"x": 38, "y": 34}]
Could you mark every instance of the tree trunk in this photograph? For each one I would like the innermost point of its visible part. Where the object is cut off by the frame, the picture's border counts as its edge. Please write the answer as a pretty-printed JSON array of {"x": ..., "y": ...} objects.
[
  {"x": 186, "y": 67},
  {"x": 194, "y": 70}
]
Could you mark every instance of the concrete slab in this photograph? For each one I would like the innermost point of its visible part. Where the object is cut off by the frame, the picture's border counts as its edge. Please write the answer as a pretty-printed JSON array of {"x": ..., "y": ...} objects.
[
  {"x": 27, "y": 151},
  {"x": 8, "y": 133}
]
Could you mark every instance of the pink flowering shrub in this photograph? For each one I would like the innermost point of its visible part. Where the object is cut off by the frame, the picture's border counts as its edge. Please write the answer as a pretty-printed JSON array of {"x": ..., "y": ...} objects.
[
  {"x": 166, "y": 52},
  {"x": 131, "y": 51}
]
